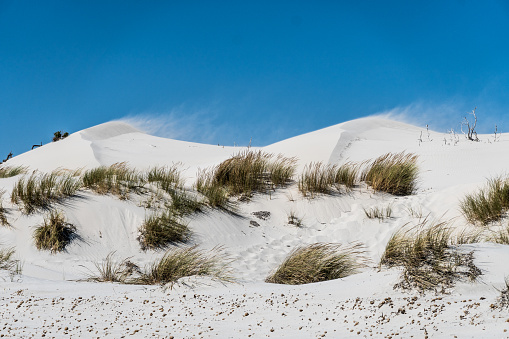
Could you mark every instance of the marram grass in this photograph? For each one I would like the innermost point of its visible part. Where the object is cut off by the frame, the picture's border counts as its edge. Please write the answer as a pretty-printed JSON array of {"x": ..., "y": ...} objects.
[
  {"x": 318, "y": 262},
  {"x": 161, "y": 230},
  {"x": 55, "y": 233}
]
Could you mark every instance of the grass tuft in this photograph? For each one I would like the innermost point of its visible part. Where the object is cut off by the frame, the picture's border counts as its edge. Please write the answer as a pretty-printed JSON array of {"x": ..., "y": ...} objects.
[
  {"x": 6, "y": 261},
  {"x": 117, "y": 179},
  {"x": 318, "y": 262},
  {"x": 3, "y": 211},
  {"x": 39, "y": 191},
  {"x": 111, "y": 271},
  {"x": 243, "y": 174},
  {"x": 168, "y": 179},
  {"x": 428, "y": 257},
  {"x": 392, "y": 173},
  {"x": 160, "y": 230},
  {"x": 488, "y": 204},
  {"x": 379, "y": 213},
  {"x": 319, "y": 178},
  {"x": 7, "y": 171},
  {"x": 55, "y": 233},
  {"x": 177, "y": 263}
]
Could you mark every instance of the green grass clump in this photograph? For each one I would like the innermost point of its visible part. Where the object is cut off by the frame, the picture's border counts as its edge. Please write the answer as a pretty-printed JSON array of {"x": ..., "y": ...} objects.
[
  {"x": 318, "y": 262},
  {"x": 55, "y": 233},
  {"x": 217, "y": 195},
  {"x": 117, "y": 179},
  {"x": 160, "y": 230},
  {"x": 39, "y": 191},
  {"x": 111, "y": 271},
  {"x": 7, "y": 171},
  {"x": 488, "y": 204},
  {"x": 244, "y": 174},
  {"x": 320, "y": 178},
  {"x": 177, "y": 263},
  {"x": 3, "y": 212},
  {"x": 168, "y": 179},
  {"x": 392, "y": 173},
  {"x": 429, "y": 259}
]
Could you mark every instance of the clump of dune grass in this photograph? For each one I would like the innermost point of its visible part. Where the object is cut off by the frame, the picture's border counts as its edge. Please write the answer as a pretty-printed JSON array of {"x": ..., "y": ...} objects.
[
  {"x": 295, "y": 220},
  {"x": 392, "y": 173},
  {"x": 117, "y": 179},
  {"x": 160, "y": 230},
  {"x": 246, "y": 173},
  {"x": 110, "y": 270},
  {"x": 429, "y": 259},
  {"x": 320, "y": 178},
  {"x": 184, "y": 203},
  {"x": 503, "y": 299},
  {"x": 500, "y": 236},
  {"x": 217, "y": 196},
  {"x": 318, "y": 262},
  {"x": 488, "y": 204},
  {"x": 379, "y": 213},
  {"x": 169, "y": 179},
  {"x": 177, "y": 263},
  {"x": 7, "y": 171},
  {"x": 55, "y": 233},
  {"x": 3, "y": 211},
  {"x": 6, "y": 261},
  {"x": 39, "y": 191}
]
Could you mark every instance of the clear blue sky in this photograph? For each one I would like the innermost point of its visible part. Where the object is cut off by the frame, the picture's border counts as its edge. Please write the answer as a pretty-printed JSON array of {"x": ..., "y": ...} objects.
[{"x": 226, "y": 71}]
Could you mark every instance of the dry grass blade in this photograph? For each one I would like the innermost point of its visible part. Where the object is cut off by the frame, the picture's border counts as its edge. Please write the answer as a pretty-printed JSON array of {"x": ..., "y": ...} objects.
[
  {"x": 392, "y": 173},
  {"x": 55, "y": 233},
  {"x": 6, "y": 261},
  {"x": 184, "y": 262},
  {"x": 379, "y": 213},
  {"x": 318, "y": 262}
]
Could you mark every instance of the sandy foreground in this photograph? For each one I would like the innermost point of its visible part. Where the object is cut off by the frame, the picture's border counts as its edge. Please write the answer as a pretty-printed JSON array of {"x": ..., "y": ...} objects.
[{"x": 49, "y": 299}]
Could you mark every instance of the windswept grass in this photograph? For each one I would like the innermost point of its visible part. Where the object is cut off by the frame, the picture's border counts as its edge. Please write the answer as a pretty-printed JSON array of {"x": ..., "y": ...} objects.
[
  {"x": 117, "y": 179},
  {"x": 318, "y": 262},
  {"x": 429, "y": 259},
  {"x": 6, "y": 261},
  {"x": 177, "y": 263},
  {"x": 500, "y": 236},
  {"x": 392, "y": 173},
  {"x": 160, "y": 230},
  {"x": 488, "y": 204},
  {"x": 320, "y": 178},
  {"x": 3, "y": 211},
  {"x": 244, "y": 174},
  {"x": 169, "y": 179},
  {"x": 110, "y": 270},
  {"x": 7, "y": 171},
  {"x": 55, "y": 233},
  {"x": 39, "y": 191},
  {"x": 379, "y": 213}
]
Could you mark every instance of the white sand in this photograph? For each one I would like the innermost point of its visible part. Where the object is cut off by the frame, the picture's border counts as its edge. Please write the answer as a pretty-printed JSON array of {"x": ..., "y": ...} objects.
[{"x": 46, "y": 300}]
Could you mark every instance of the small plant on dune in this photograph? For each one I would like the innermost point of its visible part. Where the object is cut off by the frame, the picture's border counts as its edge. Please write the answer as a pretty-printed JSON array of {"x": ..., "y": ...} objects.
[
  {"x": 379, "y": 213},
  {"x": 59, "y": 135},
  {"x": 177, "y": 263},
  {"x": 392, "y": 173},
  {"x": 160, "y": 230},
  {"x": 110, "y": 270},
  {"x": 117, "y": 179},
  {"x": 488, "y": 204},
  {"x": 318, "y": 262},
  {"x": 55, "y": 233},
  {"x": 428, "y": 257},
  {"x": 319, "y": 178},
  {"x": 183, "y": 203},
  {"x": 7, "y": 172},
  {"x": 500, "y": 236},
  {"x": 41, "y": 190},
  {"x": 503, "y": 299},
  {"x": 293, "y": 219},
  {"x": 6, "y": 261}
]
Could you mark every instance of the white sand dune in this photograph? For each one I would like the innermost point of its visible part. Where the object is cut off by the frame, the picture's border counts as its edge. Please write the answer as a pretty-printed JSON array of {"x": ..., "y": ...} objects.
[{"x": 47, "y": 299}]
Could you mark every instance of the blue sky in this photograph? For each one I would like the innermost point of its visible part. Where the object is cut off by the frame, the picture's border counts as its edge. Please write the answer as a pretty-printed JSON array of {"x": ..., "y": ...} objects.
[{"x": 228, "y": 71}]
